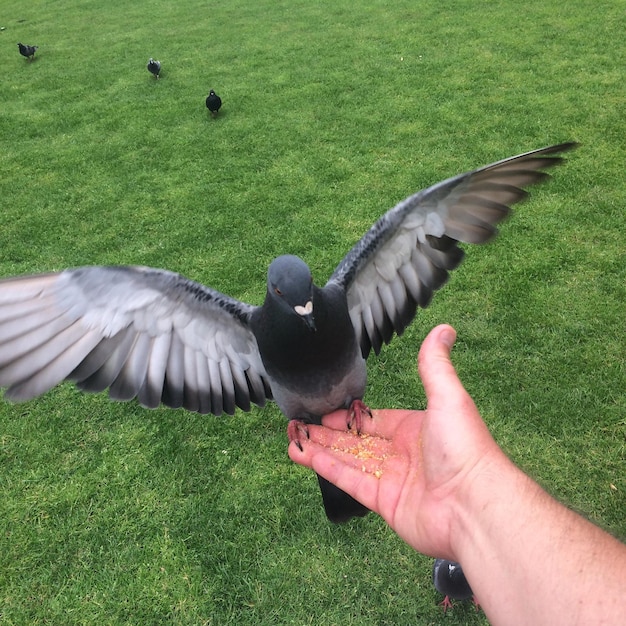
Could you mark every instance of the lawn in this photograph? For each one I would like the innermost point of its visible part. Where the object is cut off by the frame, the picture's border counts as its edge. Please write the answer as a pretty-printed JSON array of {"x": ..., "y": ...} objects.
[{"x": 333, "y": 112}]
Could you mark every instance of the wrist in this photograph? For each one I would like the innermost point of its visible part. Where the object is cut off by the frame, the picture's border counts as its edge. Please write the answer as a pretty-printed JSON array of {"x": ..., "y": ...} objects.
[{"x": 487, "y": 500}]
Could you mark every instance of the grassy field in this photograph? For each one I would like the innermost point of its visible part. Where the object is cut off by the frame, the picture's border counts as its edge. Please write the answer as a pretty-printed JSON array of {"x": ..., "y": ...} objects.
[{"x": 333, "y": 112}]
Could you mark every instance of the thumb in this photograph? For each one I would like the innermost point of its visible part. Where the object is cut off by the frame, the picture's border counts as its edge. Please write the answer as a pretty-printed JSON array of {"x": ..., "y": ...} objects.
[{"x": 435, "y": 368}]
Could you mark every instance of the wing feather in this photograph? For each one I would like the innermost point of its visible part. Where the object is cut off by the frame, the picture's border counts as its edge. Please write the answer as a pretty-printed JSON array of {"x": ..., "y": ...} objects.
[
  {"x": 216, "y": 394},
  {"x": 191, "y": 400},
  {"x": 174, "y": 386},
  {"x": 413, "y": 247},
  {"x": 16, "y": 345},
  {"x": 48, "y": 364},
  {"x": 149, "y": 394},
  {"x": 205, "y": 396},
  {"x": 96, "y": 359},
  {"x": 133, "y": 371},
  {"x": 143, "y": 333}
]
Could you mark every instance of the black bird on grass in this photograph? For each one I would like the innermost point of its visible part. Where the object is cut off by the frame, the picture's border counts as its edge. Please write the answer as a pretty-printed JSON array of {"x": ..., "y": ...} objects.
[
  {"x": 213, "y": 103},
  {"x": 27, "y": 51},
  {"x": 154, "y": 67},
  {"x": 156, "y": 336},
  {"x": 449, "y": 579}
]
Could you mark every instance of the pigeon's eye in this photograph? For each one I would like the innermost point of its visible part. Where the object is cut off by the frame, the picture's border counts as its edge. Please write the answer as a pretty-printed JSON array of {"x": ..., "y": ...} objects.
[{"x": 277, "y": 291}]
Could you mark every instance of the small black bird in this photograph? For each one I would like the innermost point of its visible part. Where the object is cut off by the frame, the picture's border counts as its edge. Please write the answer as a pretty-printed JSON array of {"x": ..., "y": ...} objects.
[
  {"x": 154, "y": 67},
  {"x": 449, "y": 579},
  {"x": 213, "y": 103},
  {"x": 27, "y": 51}
]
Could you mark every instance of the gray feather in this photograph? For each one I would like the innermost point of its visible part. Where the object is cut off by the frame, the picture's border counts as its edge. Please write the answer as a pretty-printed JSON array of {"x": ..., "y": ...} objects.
[
  {"x": 422, "y": 234},
  {"x": 139, "y": 332}
]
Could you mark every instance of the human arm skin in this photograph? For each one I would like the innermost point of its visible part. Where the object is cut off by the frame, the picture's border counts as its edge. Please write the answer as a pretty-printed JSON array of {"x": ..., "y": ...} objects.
[{"x": 441, "y": 482}]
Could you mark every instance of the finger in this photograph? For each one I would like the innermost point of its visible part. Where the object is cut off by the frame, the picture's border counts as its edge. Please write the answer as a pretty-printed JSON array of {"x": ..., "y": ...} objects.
[
  {"x": 383, "y": 422},
  {"x": 337, "y": 420},
  {"x": 363, "y": 451},
  {"x": 356, "y": 481},
  {"x": 441, "y": 383},
  {"x": 319, "y": 438},
  {"x": 339, "y": 468},
  {"x": 359, "y": 446},
  {"x": 299, "y": 455}
]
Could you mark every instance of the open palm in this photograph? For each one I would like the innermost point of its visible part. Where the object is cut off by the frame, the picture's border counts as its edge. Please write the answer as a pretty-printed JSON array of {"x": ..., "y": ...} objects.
[{"x": 409, "y": 466}]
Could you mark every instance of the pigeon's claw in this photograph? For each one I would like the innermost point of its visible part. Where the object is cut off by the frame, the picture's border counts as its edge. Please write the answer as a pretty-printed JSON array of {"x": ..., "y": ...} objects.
[
  {"x": 446, "y": 604},
  {"x": 295, "y": 430},
  {"x": 357, "y": 410}
]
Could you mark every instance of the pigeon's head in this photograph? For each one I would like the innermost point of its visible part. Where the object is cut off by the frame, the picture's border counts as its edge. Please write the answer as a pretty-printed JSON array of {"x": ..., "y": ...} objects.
[
  {"x": 290, "y": 285},
  {"x": 449, "y": 579},
  {"x": 455, "y": 571}
]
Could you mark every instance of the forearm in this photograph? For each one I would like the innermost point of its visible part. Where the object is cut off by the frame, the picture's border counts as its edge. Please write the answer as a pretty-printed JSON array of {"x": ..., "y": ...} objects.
[{"x": 531, "y": 560}]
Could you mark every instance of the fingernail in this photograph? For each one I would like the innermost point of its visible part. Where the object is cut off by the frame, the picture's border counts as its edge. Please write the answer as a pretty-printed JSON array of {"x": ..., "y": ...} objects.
[{"x": 448, "y": 337}]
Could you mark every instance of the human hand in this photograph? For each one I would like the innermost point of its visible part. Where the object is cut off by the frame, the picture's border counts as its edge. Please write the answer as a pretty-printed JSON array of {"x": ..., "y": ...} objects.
[
  {"x": 413, "y": 468},
  {"x": 442, "y": 483}
]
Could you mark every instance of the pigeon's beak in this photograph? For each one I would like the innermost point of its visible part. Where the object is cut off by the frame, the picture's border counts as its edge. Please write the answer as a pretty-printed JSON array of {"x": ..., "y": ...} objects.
[
  {"x": 309, "y": 320},
  {"x": 306, "y": 313}
]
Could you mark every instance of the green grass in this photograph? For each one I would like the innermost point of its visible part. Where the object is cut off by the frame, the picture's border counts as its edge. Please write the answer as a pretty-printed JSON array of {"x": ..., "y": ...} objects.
[{"x": 332, "y": 113}]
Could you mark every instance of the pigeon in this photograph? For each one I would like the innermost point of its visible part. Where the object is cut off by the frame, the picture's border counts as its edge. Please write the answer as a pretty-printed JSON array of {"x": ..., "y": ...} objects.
[
  {"x": 213, "y": 103},
  {"x": 27, "y": 51},
  {"x": 156, "y": 336},
  {"x": 154, "y": 67},
  {"x": 449, "y": 579}
]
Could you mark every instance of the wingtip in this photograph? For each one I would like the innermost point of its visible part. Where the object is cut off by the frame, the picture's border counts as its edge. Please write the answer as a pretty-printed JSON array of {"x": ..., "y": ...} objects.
[{"x": 562, "y": 147}]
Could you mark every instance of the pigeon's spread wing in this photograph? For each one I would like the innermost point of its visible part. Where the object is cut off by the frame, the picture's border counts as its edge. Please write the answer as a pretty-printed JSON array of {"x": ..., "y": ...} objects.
[
  {"x": 143, "y": 333},
  {"x": 408, "y": 252}
]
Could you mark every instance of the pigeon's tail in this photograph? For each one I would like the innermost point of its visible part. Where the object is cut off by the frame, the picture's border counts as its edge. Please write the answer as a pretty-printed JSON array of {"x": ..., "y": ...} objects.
[{"x": 340, "y": 507}]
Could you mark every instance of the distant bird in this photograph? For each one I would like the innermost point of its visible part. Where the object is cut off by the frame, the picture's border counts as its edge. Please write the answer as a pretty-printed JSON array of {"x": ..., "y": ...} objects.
[
  {"x": 156, "y": 336},
  {"x": 27, "y": 51},
  {"x": 449, "y": 579},
  {"x": 154, "y": 67},
  {"x": 213, "y": 103}
]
